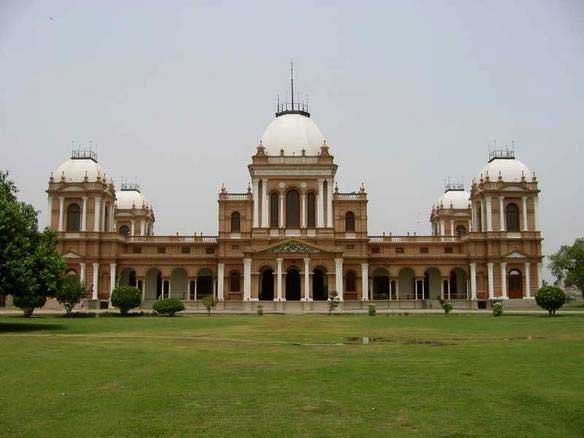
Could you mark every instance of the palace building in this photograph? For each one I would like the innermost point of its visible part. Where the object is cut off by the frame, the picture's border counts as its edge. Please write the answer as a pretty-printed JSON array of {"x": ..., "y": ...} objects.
[{"x": 292, "y": 239}]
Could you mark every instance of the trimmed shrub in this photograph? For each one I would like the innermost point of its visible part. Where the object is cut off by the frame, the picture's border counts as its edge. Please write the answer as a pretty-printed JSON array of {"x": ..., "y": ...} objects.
[
  {"x": 260, "y": 309},
  {"x": 28, "y": 302},
  {"x": 447, "y": 307},
  {"x": 333, "y": 302},
  {"x": 497, "y": 309},
  {"x": 168, "y": 306},
  {"x": 126, "y": 298},
  {"x": 371, "y": 309},
  {"x": 550, "y": 298},
  {"x": 71, "y": 294}
]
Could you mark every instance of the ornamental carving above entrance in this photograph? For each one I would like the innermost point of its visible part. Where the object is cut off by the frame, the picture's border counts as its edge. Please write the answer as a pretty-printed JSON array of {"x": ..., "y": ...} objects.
[{"x": 293, "y": 248}]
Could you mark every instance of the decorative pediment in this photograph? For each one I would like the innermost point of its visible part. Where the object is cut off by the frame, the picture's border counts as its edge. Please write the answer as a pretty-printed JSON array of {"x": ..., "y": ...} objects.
[
  {"x": 513, "y": 188},
  {"x": 292, "y": 247},
  {"x": 72, "y": 255},
  {"x": 515, "y": 255}
]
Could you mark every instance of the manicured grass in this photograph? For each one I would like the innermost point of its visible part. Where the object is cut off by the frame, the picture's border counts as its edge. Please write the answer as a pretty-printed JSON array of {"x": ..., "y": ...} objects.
[{"x": 463, "y": 375}]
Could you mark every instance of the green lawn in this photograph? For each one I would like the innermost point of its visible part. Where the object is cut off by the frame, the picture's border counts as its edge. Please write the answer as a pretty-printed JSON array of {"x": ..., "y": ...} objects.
[{"x": 462, "y": 375}]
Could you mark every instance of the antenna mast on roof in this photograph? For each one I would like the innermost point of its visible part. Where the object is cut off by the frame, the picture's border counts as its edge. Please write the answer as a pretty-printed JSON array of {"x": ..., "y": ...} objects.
[{"x": 292, "y": 83}]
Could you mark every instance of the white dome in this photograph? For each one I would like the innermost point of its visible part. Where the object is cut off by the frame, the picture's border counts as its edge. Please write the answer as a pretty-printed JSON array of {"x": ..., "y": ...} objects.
[
  {"x": 293, "y": 133},
  {"x": 458, "y": 199},
  {"x": 75, "y": 169},
  {"x": 511, "y": 170},
  {"x": 128, "y": 199}
]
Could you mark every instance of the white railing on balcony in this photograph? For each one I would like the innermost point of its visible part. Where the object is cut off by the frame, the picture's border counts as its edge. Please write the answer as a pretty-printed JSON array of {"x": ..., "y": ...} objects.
[
  {"x": 237, "y": 196},
  {"x": 292, "y": 160},
  {"x": 429, "y": 239},
  {"x": 188, "y": 239},
  {"x": 349, "y": 196}
]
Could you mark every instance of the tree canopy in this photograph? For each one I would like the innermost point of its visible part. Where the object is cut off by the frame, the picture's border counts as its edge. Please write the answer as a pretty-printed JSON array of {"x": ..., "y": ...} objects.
[{"x": 567, "y": 265}]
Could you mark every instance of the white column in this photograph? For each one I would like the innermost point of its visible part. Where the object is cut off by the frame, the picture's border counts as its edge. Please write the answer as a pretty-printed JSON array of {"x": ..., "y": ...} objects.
[
  {"x": 220, "y": 281},
  {"x": 50, "y": 211},
  {"x": 303, "y": 210},
  {"x": 365, "y": 281},
  {"x": 527, "y": 280},
  {"x": 504, "y": 281},
  {"x": 448, "y": 287},
  {"x": 142, "y": 227},
  {"x": 84, "y": 214},
  {"x": 524, "y": 208},
  {"x": 82, "y": 272},
  {"x": 61, "y": 213},
  {"x": 112, "y": 219},
  {"x": 279, "y": 281},
  {"x": 475, "y": 217},
  {"x": 329, "y": 208},
  {"x": 339, "y": 277},
  {"x": 133, "y": 229},
  {"x": 102, "y": 225},
  {"x": 491, "y": 280},
  {"x": 452, "y": 227},
  {"x": 246, "y": 279},
  {"x": 195, "y": 291},
  {"x": 96, "y": 215},
  {"x": 397, "y": 288},
  {"x": 535, "y": 213},
  {"x": 473, "y": 281},
  {"x": 442, "y": 228},
  {"x": 483, "y": 215},
  {"x": 489, "y": 207},
  {"x": 265, "y": 203},
  {"x": 112, "y": 280},
  {"x": 281, "y": 215},
  {"x": 95, "y": 280},
  {"x": 502, "y": 213},
  {"x": 319, "y": 205},
  {"x": 539, "y": 275},
  {"x": 307, "y": 279},
  {"x": 256, "y": 203}
]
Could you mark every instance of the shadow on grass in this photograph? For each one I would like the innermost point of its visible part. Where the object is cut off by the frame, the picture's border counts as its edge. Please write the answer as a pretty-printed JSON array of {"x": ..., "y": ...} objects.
[{"x": 19, "y": 327}]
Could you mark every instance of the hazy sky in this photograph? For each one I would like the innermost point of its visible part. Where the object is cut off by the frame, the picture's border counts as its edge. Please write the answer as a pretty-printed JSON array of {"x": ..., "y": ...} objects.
[{"x": 407, "y": 93}]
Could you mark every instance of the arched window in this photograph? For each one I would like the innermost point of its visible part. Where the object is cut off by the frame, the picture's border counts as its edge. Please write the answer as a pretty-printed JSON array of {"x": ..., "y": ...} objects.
[
  {"x": 73, "y": 218},
  {"x": 124, "y": 230},
  {"x": 512, "y": 217},
  {"x": 350, "y": 222},
  {"x": 460, "y": 230},
  {"x": 234, "y": 283},
  {"x": 292, "y": 209},
  {"x": 350, "y": 282},
  {"x": 515, "y": 284},
  {"x": 274, "y": 216},
  {"x": 235, "y": 222},
  {"x": 311, "y": 210}
]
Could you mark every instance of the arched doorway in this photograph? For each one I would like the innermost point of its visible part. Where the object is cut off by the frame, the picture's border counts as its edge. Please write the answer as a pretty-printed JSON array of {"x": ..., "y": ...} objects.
[
  {"x": 293, "y": 285},
  {"x": 179, "y": 284},
  {"x": 153, "y": 285},
  {"x": 266, "y": 292},
  {"x": 381, "y": 284},
  {"x": 319, "y": 285},
  {"x": 515, "y": 284},
  {"x": 432, "y": 284},
  {"x": 204, "y": 283},
  {"x": 406, "y": 283},
  {"x": 458, "y": 286}
]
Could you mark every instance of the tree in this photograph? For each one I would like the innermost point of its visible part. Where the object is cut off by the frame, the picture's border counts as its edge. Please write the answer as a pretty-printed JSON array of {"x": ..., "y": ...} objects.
[
  {"x": 550, "y": 298},
  {"x": 567, "y": 265},
  {"x": 71, "y": 294},
  {"x": 333, "y": 302},
  {"x": 168, "y": 306},
  {"x": 126, "y": 298},
  {"x": 210, "y": 302},
  {"x": 29, "y": 301}
]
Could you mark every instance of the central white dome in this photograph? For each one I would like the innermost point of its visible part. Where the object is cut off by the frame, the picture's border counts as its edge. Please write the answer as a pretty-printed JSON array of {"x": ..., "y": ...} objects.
[
  {"x": 293, "y": 133},
  {"x": 456, "y": 198},
  {"x": 128, "y": 199},
  {"x": 76, "y": 169},
  {"x": 510, "y": 169}
]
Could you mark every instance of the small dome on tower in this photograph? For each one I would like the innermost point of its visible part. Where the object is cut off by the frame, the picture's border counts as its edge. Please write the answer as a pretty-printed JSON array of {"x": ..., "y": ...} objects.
[
  {"x": 457, "y": 198},
  {"x": 81, "y": 164},
  {"x": 502, "y": 163},
  {"x": 130, "y": 197}
]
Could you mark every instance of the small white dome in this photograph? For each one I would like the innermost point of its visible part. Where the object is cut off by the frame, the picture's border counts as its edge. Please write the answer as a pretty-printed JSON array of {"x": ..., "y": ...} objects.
[
  {"x": 293, "y": 133},
  {"x": 458, "y": 199},
  {"x": 75, "y": 170},
  {"x": 511, "y": 170},
  {"x": 128, "y": 199}
]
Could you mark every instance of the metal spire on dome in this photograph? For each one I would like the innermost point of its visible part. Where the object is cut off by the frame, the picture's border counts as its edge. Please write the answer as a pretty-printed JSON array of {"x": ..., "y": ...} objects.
[{"x": 293, "y": 106}]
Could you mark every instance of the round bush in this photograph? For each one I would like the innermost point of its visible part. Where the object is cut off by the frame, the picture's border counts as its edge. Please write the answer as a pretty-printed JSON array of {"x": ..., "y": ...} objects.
[
  {"x": 497, "y": 309},
  {"x": 126, "y": 298},
  {"x": 168, "y": 306},
  {"x": 447, "y": 307},
  {"x": 550, "y": 298},
  {"x": 260, "y": 309},
  {"x": 28, "y": 302},
  {"x": 372, "y": 309}
]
